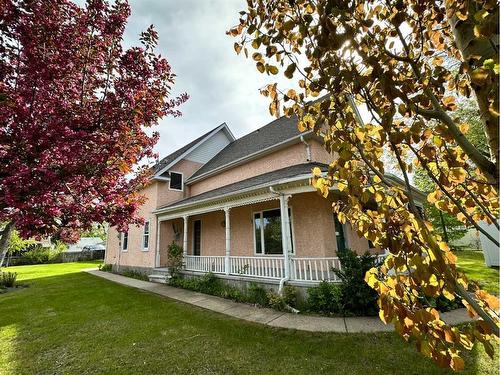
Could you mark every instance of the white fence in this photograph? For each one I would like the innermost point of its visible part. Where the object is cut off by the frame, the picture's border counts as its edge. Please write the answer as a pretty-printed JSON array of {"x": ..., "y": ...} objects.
[{"x": 268, "y": 267}]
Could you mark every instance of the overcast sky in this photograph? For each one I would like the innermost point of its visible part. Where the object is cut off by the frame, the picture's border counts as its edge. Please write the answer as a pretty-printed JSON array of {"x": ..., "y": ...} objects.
[{"x": 223, "y": 87}]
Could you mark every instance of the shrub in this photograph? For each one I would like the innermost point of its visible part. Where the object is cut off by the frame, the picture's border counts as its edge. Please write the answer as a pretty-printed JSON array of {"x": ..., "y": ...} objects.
[
  {"x": 42, "y": 255},
  {"x": 257, "y": 294},
  {"x": 208, "y": 284},
  {"x": 135, "y": 275},
  {"x": 357, "y": 298},
  {"x": 106, "y": 267},
  {"x": 290, "y": 295},
  {"x": 325, "y": 298},
  {"x": 175, "y": 259},
  {"x": 275, "y": 301},
  {"x": 443, "y": 304},
  {"x": 8, "y": 279}
]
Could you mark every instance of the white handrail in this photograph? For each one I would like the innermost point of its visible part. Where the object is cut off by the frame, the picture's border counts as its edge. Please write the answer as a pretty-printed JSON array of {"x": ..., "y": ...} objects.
[{"x": 306, "y": 269}]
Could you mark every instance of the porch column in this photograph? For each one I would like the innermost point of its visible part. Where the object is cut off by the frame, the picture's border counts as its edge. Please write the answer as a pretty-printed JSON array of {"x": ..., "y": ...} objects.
[
  {"x": 228, "y": 240},
  {"x": 157, "y": 247},
  {"x": 185, "y": 237},
  {"x": 286, "y": 242}
]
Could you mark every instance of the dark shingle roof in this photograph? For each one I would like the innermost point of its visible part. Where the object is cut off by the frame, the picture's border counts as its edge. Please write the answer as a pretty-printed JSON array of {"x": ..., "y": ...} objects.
[
  {"x": 288, "y": 172},
  {"x": 271, "y": 134},
  {"x": 174, "y": 155}
]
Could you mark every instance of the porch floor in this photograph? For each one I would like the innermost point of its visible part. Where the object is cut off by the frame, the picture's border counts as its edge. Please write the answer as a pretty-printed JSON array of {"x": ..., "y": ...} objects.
[{"x": 267, "y": 316}]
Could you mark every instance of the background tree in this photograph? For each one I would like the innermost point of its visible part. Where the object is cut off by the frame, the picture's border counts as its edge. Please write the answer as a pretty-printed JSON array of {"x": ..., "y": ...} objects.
[
  {"x": 445, "y": 224},
  {"x": 73, "y": 111},
  {"x": 388, "y": 56}
]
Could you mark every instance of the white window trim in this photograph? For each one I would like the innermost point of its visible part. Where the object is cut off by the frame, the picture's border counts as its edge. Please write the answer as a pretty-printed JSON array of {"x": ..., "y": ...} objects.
[
  {"x": 182, "y": 182},
  {"x": 292, "y": 232},
  {"x": 122, "y": 241},
  {"x": 146, "y": 248},
  {"x": 192, "y": 236}
]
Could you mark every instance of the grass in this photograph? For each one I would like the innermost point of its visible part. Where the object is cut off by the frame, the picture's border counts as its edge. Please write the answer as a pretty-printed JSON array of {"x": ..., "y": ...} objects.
[
  {"x": 472, "y": 264},
  {"x": 70, "y": 322}
]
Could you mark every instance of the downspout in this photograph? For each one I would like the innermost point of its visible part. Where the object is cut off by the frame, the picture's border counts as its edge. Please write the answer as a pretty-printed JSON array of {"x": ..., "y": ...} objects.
[
  {"x": 285, "y": 224},
  {"x": 308, "y": 148}
]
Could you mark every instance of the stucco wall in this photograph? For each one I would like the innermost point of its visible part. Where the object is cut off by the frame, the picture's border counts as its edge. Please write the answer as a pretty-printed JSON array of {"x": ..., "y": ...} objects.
[
  {"x": 135, "y": 255},
  {"x": 165, "y": 195},
  {"x": 294, "y": 154}
]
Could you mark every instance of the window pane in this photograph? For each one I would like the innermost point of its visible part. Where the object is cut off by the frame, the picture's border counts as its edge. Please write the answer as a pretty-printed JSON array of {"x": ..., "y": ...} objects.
[
  {"x": 272, "y": 232},
  {"x": 125, "y": 241},
  {"x": 146, "y": 227},
  {"x": 175, "y": 181},
  {"x": 145, "y": 242},
  {"x": 258, "y": 228},
  {"x": 339, "y": 233}
]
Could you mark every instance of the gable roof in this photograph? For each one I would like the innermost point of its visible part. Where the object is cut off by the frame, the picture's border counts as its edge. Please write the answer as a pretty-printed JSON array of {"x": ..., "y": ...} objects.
[
  {"x": 250, "y": 183},
  {"x": 272, "y": 135},
  {"x": 164, "y": 164}
]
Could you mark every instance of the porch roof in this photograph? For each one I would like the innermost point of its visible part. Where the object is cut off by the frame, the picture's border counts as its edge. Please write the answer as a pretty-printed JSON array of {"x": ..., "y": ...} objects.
[{"x": 247, "y": 185}]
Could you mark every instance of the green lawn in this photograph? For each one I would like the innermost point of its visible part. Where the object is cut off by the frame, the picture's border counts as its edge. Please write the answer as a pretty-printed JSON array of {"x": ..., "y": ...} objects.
[
  {"x": 69, "y": 322},
  {"x": 472, "y": 264}
]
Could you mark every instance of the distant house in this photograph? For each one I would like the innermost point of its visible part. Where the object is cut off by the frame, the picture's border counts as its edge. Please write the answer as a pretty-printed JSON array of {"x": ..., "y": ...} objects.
[
  {"x": 241, "y": 208},
  {"x": 84, "y": 241}
]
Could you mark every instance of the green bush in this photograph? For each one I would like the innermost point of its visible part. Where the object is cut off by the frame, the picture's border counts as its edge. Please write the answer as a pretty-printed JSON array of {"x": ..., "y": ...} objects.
[
  {"x": 135, "y": 275},
  {"x": 175, "y": 258},
  {"x": 8, "y": 279},
  {"x": 357, "y": 298},
  {"x": 257, "y": 294},
  {"x": 106, "y": 267},
  {"x": 290, "y": 295},
  {"x": 275, "y": 301},
  {"x": 326, "y": 298},
  {"x": 41, "y": 255},
  {"x": 208, "y": 284}
]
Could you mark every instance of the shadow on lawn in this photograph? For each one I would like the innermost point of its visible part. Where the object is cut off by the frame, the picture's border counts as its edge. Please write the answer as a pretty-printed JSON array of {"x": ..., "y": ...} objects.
[{"x": 78, "y": 323}]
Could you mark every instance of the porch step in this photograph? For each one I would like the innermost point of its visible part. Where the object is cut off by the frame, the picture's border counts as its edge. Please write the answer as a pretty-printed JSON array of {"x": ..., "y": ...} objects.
[
  {"x": 155, "y": 278},
  {"x": 159, "y": 275}
]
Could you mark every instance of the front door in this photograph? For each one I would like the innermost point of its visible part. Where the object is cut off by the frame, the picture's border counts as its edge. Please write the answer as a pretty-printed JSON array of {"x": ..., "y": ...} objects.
[{"x": 197, "y": 237}]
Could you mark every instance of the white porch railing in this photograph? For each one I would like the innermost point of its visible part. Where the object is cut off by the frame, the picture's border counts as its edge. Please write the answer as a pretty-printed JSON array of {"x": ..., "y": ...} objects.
[
  {"x": 213, "y": 264},
  {"x": 314, "y": 269},
  {"x": 267, "y": 267}
]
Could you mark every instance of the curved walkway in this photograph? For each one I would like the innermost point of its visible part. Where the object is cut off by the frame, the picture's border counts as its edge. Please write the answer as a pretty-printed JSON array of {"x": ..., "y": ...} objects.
[{"x": 267, "y": 316}]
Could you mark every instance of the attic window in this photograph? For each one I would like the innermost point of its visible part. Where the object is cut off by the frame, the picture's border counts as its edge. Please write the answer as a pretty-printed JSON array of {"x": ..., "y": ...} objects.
[{"x": 175, "y": 181}]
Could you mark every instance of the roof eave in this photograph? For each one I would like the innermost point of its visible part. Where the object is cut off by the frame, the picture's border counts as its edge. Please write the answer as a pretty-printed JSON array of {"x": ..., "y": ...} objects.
[{"x": 222, "y": 126}]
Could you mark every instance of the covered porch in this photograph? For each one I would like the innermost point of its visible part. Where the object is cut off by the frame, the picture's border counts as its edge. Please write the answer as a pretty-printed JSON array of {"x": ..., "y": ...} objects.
[{"x": 280, "y": 231}]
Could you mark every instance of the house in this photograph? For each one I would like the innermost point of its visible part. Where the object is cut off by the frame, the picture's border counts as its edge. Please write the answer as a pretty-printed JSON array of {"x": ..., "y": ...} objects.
[{"x": 241, "y": 208}]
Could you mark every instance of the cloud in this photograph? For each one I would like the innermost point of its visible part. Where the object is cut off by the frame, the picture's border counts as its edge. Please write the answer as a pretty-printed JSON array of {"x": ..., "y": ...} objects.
[{"x": 223, "y": 87}]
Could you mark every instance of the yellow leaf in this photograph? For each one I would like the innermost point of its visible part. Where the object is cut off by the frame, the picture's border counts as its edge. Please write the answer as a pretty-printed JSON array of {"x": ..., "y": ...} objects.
[
  {"x": 316, "y": 171},
  {"x": 457, "y": 363}
]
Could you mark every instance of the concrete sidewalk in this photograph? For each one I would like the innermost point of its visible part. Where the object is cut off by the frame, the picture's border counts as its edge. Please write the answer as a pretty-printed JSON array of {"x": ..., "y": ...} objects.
[{"x": 267, "y": 316}]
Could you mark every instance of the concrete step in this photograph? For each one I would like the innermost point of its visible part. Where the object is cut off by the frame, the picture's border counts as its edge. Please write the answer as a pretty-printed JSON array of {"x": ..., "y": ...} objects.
[{"x": 158, "y": 278}]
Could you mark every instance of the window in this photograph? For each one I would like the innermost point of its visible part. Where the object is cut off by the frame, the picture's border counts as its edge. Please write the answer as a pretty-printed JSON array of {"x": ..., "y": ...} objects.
[
  {"x": 197, "y": 237},
  {"x": 124, "y": 241},
  {"x": 267, "y": 228},
  {"x": 145, "y": 236},
  {"x": 175, "y": 181},
  {"x": 339, "y": 234}
]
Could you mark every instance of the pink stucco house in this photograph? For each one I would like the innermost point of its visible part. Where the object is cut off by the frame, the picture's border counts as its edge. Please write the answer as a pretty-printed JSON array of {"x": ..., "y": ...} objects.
[{"x": 240, "y": 208}]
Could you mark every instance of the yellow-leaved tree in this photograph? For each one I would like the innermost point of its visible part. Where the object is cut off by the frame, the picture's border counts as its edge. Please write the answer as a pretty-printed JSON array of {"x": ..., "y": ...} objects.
[{"x": 407, "y": 63}]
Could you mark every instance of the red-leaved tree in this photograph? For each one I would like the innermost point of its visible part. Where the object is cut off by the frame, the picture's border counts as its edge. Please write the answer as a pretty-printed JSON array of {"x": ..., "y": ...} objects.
[{"x": 74, "y": 106}]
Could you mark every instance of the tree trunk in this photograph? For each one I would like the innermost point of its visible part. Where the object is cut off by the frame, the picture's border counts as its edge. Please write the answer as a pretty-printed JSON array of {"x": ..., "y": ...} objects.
[
  {"x": 445, "y": 232},
  {"x": 4, "y": 241},
  {"x": 469, "y": 46}
]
